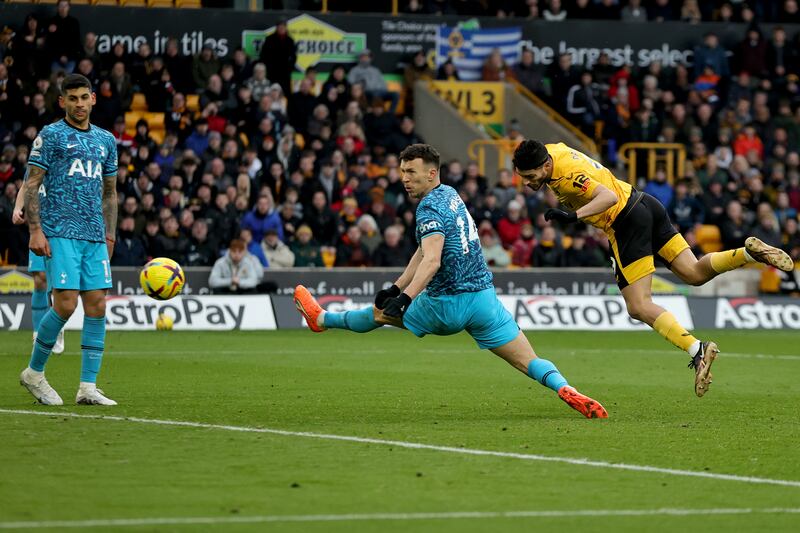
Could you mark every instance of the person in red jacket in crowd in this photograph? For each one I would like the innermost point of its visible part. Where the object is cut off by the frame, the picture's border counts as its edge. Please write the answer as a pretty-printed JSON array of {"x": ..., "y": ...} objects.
[
  {"x": 748, "y": 140},
  {"x": 510, "y": 226}
]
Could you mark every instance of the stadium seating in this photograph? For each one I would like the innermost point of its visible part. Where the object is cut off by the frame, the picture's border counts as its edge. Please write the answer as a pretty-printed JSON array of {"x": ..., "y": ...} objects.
[
  {"x": 139, "y": 102},
  {"x": 709, "y": 238}
]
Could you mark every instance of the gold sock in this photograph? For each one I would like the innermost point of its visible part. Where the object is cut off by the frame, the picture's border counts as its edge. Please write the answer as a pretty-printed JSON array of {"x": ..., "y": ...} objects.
[
  {"x": 668, "y": 327},
  {"x": 728, "y": 260}
]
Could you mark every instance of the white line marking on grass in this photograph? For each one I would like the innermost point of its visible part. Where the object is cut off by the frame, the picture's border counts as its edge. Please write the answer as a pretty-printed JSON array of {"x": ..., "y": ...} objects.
[
  {"x": 196, "y": 520},
  {"x": 417, "y": 446}
]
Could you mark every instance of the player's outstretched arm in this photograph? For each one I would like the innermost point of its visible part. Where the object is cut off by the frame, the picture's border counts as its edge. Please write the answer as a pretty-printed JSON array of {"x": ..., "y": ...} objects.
[
  {"x": 110, "y": 206},
  {"x": 38, "y": 242},
  {"x": 18, "y": 216},
  {"x": 431, "y": 248}
]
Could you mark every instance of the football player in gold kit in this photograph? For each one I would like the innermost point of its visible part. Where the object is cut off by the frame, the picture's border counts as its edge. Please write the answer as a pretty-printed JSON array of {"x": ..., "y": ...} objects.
[{"x": 638, "y": 229}]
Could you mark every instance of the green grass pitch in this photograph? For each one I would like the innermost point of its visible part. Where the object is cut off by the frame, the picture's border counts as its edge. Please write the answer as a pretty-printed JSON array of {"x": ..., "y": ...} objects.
[{"x": 389, "y": 385}]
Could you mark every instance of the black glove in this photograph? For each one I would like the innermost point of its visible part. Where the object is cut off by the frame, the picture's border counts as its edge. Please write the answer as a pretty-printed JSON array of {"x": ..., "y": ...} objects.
[
  {"x": 561, "y": 216},
  {"x": 385, "y": 294},
  {"x": 396, "y": 307}
]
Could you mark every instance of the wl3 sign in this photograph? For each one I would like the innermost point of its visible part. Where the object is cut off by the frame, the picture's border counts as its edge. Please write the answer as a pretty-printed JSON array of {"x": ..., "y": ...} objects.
[{"x": 481, "y": 102}]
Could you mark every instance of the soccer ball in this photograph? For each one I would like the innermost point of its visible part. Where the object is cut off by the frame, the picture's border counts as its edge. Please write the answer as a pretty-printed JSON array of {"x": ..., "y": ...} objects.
[
  {"x": 162, "y": 278},
  {"x": 164, "y": 322}
]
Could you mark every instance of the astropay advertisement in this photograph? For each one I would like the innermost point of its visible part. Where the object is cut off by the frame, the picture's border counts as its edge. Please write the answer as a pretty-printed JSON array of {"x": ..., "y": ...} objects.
[
  {"x": 606, "y": 313},
  {"x": 210, "y": 313}
]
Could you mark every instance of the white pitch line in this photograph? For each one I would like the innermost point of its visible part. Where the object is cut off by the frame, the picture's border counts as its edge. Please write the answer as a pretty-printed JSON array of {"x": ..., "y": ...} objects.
[
  {"x": 196, "y": 520},
  {"x": 418, "y": 446}
]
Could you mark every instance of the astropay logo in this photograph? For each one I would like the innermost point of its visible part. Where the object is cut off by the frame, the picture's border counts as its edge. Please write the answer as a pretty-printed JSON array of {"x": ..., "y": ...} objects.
[
  {"x": 585, "y": 312},
  {"x": 752, "y": 313},
  {"x": 187, "y": 312}
]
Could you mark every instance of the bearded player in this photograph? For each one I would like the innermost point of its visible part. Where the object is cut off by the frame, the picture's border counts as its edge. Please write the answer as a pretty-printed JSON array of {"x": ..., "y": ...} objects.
[
  {"x": 638, "y": 229},
  {"x": 446, "y": 287}
]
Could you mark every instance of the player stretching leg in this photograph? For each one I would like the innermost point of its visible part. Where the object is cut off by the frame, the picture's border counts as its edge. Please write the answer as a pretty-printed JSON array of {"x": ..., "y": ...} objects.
[
  {"x": 40, "y": 298},
  {"x": 71, "y": 207},
  {"x": 638, "y": 228},
  {"x": 446, "y": 287}
]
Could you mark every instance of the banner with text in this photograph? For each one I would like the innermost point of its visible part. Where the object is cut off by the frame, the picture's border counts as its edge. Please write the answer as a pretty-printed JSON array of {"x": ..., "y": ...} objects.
[{"x": 481, "y": 102}]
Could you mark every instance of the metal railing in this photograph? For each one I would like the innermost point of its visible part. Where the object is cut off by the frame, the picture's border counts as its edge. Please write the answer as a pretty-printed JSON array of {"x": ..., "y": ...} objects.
[
  {"x": 476, "y": 150},
  {"x": 671, "y": 156},
  {"x": 588, "y": 144}
]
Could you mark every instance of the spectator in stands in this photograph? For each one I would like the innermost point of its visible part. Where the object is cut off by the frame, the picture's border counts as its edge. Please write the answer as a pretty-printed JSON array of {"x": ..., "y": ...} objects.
[
  {"x": 522, "y": 249},
  {"x": 11, "y": 102},
  {"x": 710, "y": 53},
  {"x": 548, "y": 253},
  {"x": 351, "y": 251},
  {"x": 204, "y": 65},
  {"x": 734, "y": 230},
  {"x": 509, "y": 228},
  {"x": 306, "y": 250},
  {"x": 531, "y": 76},
  {"x": 379, "y": 126},
  {"x": 393, "y": 251},
  {"x": 583, "y": 103},
  {"x": 495, "y": 67},
  {"x": 236, "y": 272},
  {"x": 767, "y": 228},
  {"x": 277, "y": 253},
  {"x": 447, "y": 71},
  {"x": 715, "y": 199},
  {"x": 493, "y": 251},
  {"x": 202, "y": 249},
  {"x": 791, "y": 239},
  {"x": 321, "y": 219},
  {"x": 633, "y": 12},
  {"x": 263, "y": 217},
  {"x": 554, "y": 12},
  {"x": 562, "y": 76},
  {"x": 368, "y": 75},
  {"x": 685, "y": 210},
  {"x": 581, "y": 254},
  {"x": 661, "y": 11},
  {"x": 63, "y": 41},
  {"x": 660, "y": 188},
  {"x": 258, "y": 83},
  {"x": 752, "y": 53},
  {"x": 279, "y": 54},
  {"x": 505, "y": 190},
  {"x": 253, "y": 247},
  {"x": 404, "y": 136}
]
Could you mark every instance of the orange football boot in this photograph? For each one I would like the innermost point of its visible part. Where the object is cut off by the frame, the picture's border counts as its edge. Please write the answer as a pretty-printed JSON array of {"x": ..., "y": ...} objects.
[
  {"x": 583, "y": 404},
  {"x": 308, "y": 307}
]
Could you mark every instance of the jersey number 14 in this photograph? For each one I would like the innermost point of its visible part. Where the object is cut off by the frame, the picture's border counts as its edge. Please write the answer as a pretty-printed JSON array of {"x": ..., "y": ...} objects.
[{"x": 473, "y": 231}]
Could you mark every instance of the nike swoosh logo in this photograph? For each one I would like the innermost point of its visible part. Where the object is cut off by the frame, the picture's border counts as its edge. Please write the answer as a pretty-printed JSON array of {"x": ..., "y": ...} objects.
[{"x": 71, "y": 145}]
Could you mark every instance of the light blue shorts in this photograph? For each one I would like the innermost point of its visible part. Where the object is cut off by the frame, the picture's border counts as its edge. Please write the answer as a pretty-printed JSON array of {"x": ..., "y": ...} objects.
[
  {"x": 35, "y": 262},
  {"x": 478, "y": 313},
  {"x": 78, "y": 265}
]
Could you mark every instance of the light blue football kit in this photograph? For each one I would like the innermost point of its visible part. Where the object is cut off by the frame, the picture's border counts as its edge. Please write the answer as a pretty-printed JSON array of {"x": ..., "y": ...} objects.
[
  {"x": 460, "y": 296},
  {"x": 71, "y": 211}
]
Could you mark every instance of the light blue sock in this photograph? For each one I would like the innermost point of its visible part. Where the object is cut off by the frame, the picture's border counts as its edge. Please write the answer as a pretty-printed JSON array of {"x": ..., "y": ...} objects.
[
  {"x": 46, "y": 335},
  {"x": 360, "y": 321},
  {"x": 40, "y": 303},
  {"x": 93, "y": 341},
  {"x": 546, "y": 373}
]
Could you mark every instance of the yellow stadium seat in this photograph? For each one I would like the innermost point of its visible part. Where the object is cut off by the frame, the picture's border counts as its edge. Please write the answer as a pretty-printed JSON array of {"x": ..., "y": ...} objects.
[
  {"x": 193, "y": 102},
  {"x": 139, "y": 102},
  {"x": 155, "y": 120},
  {"x": 188, "y": 4},
  {"x": 159, "y": 3},
  {"x": 158, "y": 135},
  {"x": 566, "y": 242},
  {"x": 80, "y": 2},
  {"x": 104, "y": 2},
  {"x": 131, "y": 118},
  {"x": 133, "y": 3},
  {"x": 709, "y": 238}
]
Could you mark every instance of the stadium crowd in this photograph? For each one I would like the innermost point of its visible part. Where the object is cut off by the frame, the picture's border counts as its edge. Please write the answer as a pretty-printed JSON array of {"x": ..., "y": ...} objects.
[{"x": 305, "y": 172}]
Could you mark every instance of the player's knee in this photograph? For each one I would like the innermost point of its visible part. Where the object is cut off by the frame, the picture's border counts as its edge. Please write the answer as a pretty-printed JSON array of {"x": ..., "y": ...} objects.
[
  {"x": 39, "y": 281},
  {"x": 695, "y": 278},
  {"x": 65, "y": 306},
  {"x": 635, "y": 309}
]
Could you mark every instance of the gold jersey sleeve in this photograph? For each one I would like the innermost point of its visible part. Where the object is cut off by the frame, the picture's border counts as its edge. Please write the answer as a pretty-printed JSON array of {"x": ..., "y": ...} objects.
[{"x": 575, "y": 178}]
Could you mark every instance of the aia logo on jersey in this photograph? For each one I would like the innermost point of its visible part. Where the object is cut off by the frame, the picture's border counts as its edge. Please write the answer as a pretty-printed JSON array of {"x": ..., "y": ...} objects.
[{"x": 87, "y": 169}]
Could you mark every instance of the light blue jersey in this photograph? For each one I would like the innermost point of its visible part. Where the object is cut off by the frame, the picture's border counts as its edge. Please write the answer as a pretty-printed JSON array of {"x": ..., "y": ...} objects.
[
  {"x": 70, "y": 196},
  {"x": 463, "y": 267}
]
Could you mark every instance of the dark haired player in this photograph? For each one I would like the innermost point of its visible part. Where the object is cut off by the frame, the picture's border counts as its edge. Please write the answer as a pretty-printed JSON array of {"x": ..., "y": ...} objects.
[
  {"x": 638, "y": 229},
  {"x": 446, "y": 287},
  {"x": 71, "y": 208}
]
